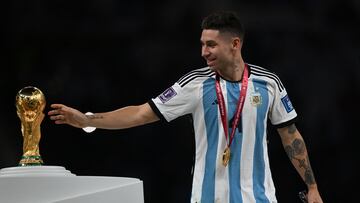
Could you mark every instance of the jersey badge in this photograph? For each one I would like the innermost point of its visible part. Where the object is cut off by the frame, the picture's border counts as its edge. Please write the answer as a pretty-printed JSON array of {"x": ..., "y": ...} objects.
[
  {"x": 255, "y": 99},
  {"x": 287, "y": 103},
  {"x": 167, "y": 95}
]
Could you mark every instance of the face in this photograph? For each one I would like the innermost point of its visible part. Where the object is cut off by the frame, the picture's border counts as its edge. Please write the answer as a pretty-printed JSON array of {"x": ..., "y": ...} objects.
[{"x": 218, "y": 49}]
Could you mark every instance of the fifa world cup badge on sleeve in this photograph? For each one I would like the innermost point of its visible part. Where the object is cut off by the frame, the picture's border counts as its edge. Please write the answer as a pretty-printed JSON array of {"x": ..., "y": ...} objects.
[
  {"x": 167, "y": 95},
  {"x": 287, "y": 103}
]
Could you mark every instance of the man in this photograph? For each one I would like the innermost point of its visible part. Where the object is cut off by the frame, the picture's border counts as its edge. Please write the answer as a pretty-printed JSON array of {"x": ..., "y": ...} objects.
[{"x": 230, "y": 102}]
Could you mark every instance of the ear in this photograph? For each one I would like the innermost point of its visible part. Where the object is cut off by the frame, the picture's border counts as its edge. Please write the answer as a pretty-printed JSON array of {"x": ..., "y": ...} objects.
[{"x": 236, "y": 43}]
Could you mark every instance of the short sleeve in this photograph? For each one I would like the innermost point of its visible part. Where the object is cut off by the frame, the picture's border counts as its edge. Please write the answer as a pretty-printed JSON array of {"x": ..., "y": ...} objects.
[
  {"x": 282, "y": 112},
  {"x": 175, "y": 101}
]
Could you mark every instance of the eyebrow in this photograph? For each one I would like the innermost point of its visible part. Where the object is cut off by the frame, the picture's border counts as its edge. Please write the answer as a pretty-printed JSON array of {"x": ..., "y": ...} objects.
[{"x": 208, "y": 41}]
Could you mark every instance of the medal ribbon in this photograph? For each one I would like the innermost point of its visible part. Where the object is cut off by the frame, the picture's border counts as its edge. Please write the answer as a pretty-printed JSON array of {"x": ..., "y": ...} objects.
[{"x": 239, "y": 106}]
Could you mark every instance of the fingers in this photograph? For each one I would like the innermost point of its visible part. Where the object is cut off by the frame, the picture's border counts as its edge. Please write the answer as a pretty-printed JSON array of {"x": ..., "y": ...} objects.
[
  {"x": 57, "y": 109},
  {"x": 60, "y": 122},
  {"x": 58, "y": 113},
  {"x": 59, "y": 119},
  {"x": 62, "y": 114},
  {"x": 54, "y": 112},
  {"x": 57, "y": 106}
]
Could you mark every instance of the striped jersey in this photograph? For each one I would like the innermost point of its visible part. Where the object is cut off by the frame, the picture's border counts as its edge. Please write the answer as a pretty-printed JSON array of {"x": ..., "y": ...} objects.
[{"x": 247, "y": 177}]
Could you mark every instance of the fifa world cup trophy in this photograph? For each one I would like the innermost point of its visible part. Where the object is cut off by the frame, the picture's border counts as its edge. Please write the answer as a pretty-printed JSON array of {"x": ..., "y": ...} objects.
[{"x": 30, "y": 104}]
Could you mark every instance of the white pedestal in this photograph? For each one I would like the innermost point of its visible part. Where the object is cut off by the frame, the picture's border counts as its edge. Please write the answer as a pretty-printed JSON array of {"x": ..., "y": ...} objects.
[{"x": 47, "y": 184}]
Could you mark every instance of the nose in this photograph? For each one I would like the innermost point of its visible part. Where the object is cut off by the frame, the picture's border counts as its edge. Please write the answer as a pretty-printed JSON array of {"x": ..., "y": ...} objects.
[{"x": 205, "y": 52}]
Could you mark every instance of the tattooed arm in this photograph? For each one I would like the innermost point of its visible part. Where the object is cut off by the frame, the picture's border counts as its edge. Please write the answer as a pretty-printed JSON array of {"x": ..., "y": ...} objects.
[
  {"x": 295, "y": 148},
  {"x": 126, "y": 117}
]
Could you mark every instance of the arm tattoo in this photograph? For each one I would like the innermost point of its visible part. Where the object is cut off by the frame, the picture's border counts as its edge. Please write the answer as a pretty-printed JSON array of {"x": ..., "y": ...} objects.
[
  {"x": 309, "y": 175},
  {"x": 299, "y": 146},
  {"x": 94, "y": 116},
  {"x": 295, "y": 149},
  {"x": 292, "y": 129},
  {"x": 290, "y": 152}
]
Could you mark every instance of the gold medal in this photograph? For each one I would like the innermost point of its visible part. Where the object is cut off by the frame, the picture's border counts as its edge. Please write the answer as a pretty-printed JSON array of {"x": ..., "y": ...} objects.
[{"x": 226, "y": 156}]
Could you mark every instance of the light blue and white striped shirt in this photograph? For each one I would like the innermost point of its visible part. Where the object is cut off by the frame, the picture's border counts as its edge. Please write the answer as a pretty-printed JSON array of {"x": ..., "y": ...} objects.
[{"x": 247, "y": 178}]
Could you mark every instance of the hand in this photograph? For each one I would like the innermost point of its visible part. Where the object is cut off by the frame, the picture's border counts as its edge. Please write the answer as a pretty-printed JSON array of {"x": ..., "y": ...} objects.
[
  {"x": 62, "y": 114},
  {"x": 314, "y": 196}
]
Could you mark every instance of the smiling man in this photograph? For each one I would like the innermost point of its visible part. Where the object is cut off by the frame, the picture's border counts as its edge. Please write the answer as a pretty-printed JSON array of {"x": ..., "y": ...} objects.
[{"x": 230, "y": 102}]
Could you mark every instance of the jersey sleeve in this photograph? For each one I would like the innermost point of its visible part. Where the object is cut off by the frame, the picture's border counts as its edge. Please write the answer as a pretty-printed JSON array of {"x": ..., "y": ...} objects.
[
  {"x": 282, "y": 112},
  {"x": 174, "y": 102}
]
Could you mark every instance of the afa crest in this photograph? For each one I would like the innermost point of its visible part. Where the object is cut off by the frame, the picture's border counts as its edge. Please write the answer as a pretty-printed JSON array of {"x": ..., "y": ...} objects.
[{"x": 255, "y": 99}]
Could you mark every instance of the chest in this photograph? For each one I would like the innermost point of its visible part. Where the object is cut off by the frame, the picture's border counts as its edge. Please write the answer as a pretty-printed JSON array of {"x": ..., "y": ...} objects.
[{"x": 257, "y": 99}]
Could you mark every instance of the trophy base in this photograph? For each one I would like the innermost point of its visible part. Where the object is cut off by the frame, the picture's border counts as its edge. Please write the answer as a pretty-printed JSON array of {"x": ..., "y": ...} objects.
[
  {"x": 31, "y": 161},
  {"x": 45, "y": 184},
  {"x": 35, "y": 171}
]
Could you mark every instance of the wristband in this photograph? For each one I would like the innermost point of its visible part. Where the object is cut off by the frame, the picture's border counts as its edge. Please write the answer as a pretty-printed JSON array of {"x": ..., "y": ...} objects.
[{"x": 89, "y": 129}]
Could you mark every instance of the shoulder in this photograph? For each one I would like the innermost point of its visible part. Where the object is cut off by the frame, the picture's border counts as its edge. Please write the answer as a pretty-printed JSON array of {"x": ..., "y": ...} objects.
[
  {"x": 196, "y": 75},
  {"x": 264, "y": 74}
]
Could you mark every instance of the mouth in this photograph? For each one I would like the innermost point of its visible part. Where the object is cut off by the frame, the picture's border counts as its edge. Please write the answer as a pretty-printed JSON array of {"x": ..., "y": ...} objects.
[{"x": 210, "y": 62}]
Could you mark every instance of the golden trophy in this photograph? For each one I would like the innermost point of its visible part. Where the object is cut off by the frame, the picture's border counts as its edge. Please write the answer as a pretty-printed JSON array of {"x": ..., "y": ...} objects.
[{"x": 30, "y": 104}]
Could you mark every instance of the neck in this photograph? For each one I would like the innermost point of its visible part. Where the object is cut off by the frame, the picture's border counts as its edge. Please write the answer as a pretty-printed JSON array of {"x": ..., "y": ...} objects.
[{"x": 233, "y": 72}]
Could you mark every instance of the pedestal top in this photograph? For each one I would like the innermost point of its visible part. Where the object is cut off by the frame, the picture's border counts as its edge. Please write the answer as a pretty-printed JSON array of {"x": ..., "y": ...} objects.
[
  {"x": 32, "y": 171},
  {"x": 44, "y": 184}
]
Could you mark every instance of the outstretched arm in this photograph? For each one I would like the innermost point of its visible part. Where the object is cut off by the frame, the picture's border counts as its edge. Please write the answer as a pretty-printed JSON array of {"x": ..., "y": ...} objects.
[
  {"x": 295, "y": 148},
  {"x": 125, "y": 117}
]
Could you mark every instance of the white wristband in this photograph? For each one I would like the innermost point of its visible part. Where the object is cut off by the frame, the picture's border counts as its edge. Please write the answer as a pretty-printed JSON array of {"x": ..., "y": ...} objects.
[{"x": 89, "y": 129}]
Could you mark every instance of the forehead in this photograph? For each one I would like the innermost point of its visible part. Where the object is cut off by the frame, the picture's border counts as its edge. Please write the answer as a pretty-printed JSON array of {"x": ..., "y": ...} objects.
[{"x": 208, "y": 35}]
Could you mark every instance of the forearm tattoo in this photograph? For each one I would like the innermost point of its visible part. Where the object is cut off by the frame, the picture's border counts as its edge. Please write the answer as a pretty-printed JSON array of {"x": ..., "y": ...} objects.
[
  {"x": 94, "y": 116},
  {"x": 292, "y": 129},
  {"x": 296, "y": 151}
]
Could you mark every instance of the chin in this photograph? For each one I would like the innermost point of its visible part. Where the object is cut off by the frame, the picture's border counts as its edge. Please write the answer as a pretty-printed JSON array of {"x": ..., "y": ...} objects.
[{"x": 213, "y": 68}]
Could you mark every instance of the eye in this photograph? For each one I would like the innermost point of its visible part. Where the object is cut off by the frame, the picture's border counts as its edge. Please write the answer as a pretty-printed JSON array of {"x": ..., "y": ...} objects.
[{"x": 211, "y": 44}]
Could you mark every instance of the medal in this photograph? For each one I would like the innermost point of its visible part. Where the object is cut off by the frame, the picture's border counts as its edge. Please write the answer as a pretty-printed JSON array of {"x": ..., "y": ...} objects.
[
  {"x": 226, "y": 156},
  {"x": 222, "y": 109}
]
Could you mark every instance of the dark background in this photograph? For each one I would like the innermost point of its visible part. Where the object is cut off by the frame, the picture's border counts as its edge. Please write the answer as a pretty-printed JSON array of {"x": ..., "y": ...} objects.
[{"x": 100, "y": 55}]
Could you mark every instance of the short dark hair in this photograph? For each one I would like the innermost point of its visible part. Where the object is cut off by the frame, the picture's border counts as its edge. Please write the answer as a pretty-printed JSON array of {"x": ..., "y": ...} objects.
[{"x": 224, "y": 21}]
